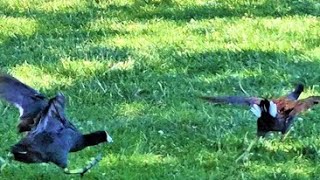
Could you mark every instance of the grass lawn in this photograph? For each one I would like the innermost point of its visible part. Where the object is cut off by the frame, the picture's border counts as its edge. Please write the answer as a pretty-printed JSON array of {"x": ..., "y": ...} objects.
[{"x": 135, "y": 67}]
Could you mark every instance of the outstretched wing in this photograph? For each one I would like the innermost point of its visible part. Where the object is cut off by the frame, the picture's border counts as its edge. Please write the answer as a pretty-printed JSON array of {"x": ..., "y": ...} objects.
[
  {"x": 53, "y": 118},
  {"x": 233, "y": 100},
  {"x": 305, "y": 104},
  {"x": 29, "y": 101}
]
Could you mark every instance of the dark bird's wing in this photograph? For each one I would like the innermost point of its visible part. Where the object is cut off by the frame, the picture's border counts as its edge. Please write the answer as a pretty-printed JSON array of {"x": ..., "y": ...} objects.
[
  {"x": 53, "y": 118},
  {"x": 50, "y": 140},
  {"x": 233, "y": 100},
  {"x": 29, "y": 101}
]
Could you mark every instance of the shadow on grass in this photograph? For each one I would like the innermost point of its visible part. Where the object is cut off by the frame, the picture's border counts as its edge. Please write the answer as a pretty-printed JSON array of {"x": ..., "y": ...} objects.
[
  {"x": 144, "y": 10},
  {"x": 59, "y": 33}
]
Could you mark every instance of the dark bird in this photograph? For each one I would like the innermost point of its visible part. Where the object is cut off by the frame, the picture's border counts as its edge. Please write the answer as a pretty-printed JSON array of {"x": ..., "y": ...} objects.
[
  {"x": 274, "y": 114},
  {"x": 51, "y": 136}
]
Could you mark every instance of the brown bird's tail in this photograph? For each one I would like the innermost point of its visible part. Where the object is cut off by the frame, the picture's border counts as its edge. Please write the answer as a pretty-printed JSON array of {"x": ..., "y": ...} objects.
[
  {"x": 232, "y": 100},
  {"x": 296, "y": 93}
]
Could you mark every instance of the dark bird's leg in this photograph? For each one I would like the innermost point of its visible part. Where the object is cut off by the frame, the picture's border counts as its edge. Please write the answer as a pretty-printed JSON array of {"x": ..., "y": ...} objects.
[
  {"x": 5, "y": 162},
  {"x": 82, "y": 171}
]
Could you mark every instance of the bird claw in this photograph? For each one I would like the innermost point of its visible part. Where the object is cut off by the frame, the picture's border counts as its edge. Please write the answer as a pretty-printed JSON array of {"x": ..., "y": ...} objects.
[
  {"x": 82, "y": 171},
  {"x": 5, "y": 162},
  {"x": 246, "y": 154}
]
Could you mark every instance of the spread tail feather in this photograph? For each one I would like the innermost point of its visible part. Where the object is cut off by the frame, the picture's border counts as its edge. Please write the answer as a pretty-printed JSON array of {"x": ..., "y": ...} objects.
[{"x": 296, "y": 93}]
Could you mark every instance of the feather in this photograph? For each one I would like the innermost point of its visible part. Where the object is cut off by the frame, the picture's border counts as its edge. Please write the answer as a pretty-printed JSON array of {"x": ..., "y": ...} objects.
[
  {"x": 232, "y": 100},
  {"x": 29, "y": 101}
]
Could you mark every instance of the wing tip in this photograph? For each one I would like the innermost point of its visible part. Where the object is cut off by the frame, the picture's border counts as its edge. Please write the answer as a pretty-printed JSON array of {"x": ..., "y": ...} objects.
[{"x": 209, "y": 99}]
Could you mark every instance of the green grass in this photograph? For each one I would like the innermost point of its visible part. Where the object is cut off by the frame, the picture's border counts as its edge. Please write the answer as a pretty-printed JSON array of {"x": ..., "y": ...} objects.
[{"x": 135, "y": 67}]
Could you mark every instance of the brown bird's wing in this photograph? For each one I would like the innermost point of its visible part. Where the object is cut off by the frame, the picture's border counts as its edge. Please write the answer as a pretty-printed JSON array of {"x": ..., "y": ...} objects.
[
  {"x": 233, "y": 100},
  {"x": 305, "y": 104}
]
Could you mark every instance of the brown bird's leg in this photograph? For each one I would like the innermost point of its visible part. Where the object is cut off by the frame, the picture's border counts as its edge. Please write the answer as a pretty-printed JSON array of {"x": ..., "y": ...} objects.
[
  {"x": 288, "y": 128},
  {"x": 285, "y": 135},
  {"x": 245, "y": 155}
]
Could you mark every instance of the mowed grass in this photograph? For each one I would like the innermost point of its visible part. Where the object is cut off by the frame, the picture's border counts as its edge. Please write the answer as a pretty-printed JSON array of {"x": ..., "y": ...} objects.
[{"x": 136, "y": 67}]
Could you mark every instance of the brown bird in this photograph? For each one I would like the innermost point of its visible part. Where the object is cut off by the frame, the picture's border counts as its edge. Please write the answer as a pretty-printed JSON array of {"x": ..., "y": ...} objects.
[{"x": 274, "y": 114}]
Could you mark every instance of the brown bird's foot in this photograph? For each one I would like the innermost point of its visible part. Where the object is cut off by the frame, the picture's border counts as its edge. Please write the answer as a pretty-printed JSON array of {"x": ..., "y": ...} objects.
[{"x": 246, "y": 154}]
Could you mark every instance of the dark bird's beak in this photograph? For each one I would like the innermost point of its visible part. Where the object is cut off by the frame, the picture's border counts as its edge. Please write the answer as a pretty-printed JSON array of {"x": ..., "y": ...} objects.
[{"x": 109, "y": 138}]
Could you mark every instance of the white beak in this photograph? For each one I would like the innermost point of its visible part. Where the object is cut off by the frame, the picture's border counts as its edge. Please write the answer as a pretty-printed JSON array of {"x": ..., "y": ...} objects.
[{"x": 109, "y": 138}]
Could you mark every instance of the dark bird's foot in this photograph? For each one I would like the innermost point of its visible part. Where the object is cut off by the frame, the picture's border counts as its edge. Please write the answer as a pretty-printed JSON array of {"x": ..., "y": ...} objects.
[{"x": 82, "y": 171}]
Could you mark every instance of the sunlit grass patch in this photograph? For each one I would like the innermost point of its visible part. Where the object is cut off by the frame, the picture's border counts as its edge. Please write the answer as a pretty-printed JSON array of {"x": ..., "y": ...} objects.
[
  {"x": 21, "y": 6},
  {"x": 234, "y": 34},
  {"x": 56, "y": 74},
  {"x": 43, "y": 5},
  {"x": 85, "y": 68},
  {"x": 283, "y": 170},
  {"x": 131, "y": 110},
  {"x": 38, "y": 77},
  {"x": 12, "y": 27},
  {"x": 60, "y": 5},
  {"x": 137, "y": 159},
  {"x": 82, "y": 68}
]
